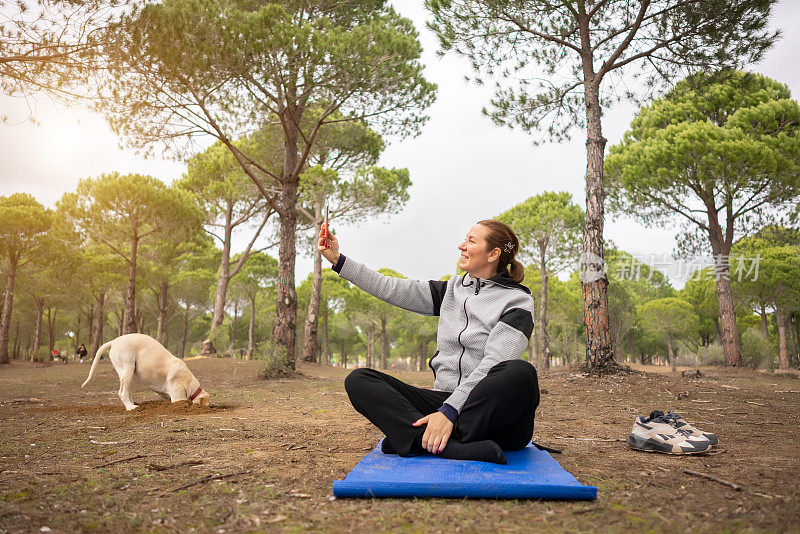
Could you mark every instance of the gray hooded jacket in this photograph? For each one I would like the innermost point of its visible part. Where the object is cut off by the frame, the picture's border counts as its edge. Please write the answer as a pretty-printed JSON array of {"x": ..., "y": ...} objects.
[{"x": 482, "y": 322}]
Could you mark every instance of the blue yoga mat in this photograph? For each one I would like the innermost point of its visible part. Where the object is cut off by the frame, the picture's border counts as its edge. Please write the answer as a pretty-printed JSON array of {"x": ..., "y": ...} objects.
[{"x": 529, "y": 474}]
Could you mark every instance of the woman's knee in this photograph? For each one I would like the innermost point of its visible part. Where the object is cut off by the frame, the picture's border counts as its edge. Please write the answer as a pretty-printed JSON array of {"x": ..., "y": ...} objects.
[
  {"x": 355, "y": 380},
  {"x": 518, "y": 371}
]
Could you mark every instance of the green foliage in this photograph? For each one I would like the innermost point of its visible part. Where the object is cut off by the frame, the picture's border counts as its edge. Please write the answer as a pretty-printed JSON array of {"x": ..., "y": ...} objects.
[
  {"x": 545, "y": 65},
  {"x": 756, "y": 351},
  {"x": 712, "y": 354},
  {"x": 259, "y": 271},
  {"x": 220, "y": 338},
  {"x": 275, "y": 362},
  {"x": 23, "y": 224},
  {"x": 776, "y": 281},
  {"x": 548, "y": 227},
  {"x": 116, "y": 210},
  {"x": 700, "y": 291},
  {"x": 670, "y": 317},
  {"x": 357, "y": 61},
  {"x": 714, "y": 144},
  {"x": 52, "y": 48}
]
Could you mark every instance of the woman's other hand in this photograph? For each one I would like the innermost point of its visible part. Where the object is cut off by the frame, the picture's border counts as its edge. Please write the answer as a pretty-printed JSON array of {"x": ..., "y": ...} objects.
[
  {"x": 331, "y": 252},
  {"x": 437, "y": 432}
]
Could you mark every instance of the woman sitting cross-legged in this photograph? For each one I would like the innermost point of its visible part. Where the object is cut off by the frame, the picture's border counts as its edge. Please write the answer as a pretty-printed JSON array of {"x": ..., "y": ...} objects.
[{"x": 484, "y": 396}]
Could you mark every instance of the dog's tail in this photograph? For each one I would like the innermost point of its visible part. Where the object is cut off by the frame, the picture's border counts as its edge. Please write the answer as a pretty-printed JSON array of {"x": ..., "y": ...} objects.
[{"x": 97, "y": 357}]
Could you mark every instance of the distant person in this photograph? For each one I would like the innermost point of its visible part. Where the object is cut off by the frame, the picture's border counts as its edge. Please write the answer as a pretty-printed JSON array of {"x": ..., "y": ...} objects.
[
  {"x": 484, "y": 395},
  {"x": 82, "y": 352}
]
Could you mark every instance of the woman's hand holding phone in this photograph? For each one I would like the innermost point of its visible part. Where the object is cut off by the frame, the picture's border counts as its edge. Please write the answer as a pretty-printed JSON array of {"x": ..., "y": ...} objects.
[{"x": 331, "y": 252}]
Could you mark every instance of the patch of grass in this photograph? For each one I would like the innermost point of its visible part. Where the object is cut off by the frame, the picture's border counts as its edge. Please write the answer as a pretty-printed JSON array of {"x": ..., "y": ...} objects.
[
  {"x": 784, "y": 374},
  {"x": 18, "y": 496}
]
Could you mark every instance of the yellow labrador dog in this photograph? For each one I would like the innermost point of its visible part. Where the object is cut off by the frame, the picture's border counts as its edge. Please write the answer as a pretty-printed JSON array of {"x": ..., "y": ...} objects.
[{"x": 143, "y": 356}]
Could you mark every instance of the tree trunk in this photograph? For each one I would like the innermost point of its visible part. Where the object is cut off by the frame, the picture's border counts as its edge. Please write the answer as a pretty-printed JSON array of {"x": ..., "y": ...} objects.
[
  {"x": 370, "y": 347},
  {"x": 185, "y": 331},
  {"x": 15, "y": 354},
  {"x": 790, "y": 331},
  {"x": 284, "y": 332},
  {"x": 234, "y": 322},
  {"x": 544, "y": 342},
  {"x": 632, "y": 347},
  {"x": 671, "y": 353},
  {"x": 8, "y": 304},
  {"x": 423, "y": 353},
  {"x": 51, "y": 327},
  {"x": 90, "y": 325},
  {"x": 727, "y": 322},
  {"x": 97, "y": 337},
  {"x": 224, "y": 271},
  {"x": 310, "y": 336},
  {"x": 783, "y": 352},
  {"x": 119, "y": 317},
  {"x": 721, "y": 241},
  {"x": 139, "y": 319},
  {"x": 162, "y": 302},
  {"x": 344, "y": 356},
  {"x": 764, "y": 329},
  {"x": 384, "y": 343},
  {"x": 594, "y": 283},
  {"x": 251, "y": 328},
  {"x": 325, "y": 349},
  {"x": 37, "y": 326},
  {"x": 286, "y": 308},
  {"x": 717, "y": 329},
  {"x": 76, "y": 337},
  {"x": 129, "y": 311}
]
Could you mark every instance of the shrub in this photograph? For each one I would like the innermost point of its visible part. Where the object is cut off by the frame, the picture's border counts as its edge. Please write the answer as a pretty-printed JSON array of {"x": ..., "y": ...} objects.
[
  {"x": 712, "y": 354},
  {"x": 42, "y": 354},
  {"x": 687, "y": 359},
  {"x": 275, "y": 363},
  {"x": 220, "y": 338},
  {"x": 756, "y": 351}
]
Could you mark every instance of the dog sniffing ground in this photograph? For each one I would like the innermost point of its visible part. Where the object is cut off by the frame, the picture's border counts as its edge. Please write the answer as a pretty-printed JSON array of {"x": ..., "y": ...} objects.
[{"x": 263, "y": 455}]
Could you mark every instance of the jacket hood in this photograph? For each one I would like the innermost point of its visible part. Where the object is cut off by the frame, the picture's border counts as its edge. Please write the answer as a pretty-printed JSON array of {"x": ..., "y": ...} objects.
[{"x": 504, "y": 279}]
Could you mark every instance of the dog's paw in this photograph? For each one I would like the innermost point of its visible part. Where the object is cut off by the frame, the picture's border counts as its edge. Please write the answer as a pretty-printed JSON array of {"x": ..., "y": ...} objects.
[{"x": 131, "y": 407}]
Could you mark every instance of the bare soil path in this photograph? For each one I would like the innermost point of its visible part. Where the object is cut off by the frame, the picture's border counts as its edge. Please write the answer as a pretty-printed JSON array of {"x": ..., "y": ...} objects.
[{"x": 264, "y": 455}]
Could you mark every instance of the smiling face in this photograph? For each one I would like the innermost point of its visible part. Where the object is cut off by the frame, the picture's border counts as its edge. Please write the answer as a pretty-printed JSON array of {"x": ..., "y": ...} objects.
[{"x": 475, "y": 259}]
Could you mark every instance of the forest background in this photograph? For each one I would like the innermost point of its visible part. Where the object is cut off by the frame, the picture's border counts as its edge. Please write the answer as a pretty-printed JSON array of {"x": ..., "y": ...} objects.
[{"x": 73, "y": 293}]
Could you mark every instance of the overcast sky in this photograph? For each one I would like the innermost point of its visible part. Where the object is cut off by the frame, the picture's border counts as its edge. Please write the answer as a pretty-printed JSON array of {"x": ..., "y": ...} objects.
[{"x": 463, "y": 168}]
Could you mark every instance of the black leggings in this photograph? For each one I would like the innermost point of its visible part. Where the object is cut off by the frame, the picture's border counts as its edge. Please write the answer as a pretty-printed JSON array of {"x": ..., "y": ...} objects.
[{"x": 501, "y": 407}]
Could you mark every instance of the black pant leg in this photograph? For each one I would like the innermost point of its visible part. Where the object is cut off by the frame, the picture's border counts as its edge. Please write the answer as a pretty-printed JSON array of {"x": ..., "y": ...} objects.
[
  {"x": 392, "y": 405},
  {"x": 502, "y": 406}
]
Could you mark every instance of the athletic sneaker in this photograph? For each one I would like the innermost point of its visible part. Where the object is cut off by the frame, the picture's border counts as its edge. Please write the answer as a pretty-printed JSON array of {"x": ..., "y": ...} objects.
[
  {"x": 682, "y": 424},
  {"x": 655, "y": 434}
]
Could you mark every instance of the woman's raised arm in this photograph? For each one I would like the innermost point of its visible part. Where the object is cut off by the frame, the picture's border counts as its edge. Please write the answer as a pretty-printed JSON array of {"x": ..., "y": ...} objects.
[{"x": 420, "y": 297}]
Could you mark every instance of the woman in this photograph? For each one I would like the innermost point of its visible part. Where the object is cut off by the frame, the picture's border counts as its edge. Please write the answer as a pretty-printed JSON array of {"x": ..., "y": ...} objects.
[{"x": 484, "y": 396}]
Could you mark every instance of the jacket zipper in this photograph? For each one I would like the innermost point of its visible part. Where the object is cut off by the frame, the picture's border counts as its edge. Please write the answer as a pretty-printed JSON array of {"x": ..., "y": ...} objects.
[
  {"x": 463, "y": 348},
  {"x": 430, "y": 364}
]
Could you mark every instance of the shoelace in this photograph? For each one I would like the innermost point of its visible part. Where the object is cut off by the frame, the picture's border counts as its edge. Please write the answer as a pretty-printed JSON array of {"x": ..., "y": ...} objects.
[{"x": 672, "y": 420}]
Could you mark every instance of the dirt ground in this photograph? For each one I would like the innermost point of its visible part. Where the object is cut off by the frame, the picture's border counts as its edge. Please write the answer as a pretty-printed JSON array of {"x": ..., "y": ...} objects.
[{"x": 264, "y": 455}]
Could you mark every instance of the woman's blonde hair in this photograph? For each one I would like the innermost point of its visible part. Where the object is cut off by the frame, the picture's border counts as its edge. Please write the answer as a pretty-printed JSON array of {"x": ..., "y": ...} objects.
[{"x": 503, "y": 237}]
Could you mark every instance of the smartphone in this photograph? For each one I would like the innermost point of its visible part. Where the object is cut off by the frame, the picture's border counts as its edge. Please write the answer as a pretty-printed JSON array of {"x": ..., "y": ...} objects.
[{"x": 325, "y": 237}]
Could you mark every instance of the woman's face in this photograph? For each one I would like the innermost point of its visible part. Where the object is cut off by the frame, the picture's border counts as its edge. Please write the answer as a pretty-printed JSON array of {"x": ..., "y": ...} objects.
[{"x": 475, "y": 259}]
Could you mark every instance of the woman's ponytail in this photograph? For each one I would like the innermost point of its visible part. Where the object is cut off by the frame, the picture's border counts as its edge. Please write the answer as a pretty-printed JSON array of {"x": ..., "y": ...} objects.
[{"x": 517, "y": 271}]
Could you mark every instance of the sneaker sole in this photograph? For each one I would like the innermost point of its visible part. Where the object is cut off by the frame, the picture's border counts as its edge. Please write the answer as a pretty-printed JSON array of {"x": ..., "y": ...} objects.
[{"x": 651, "y": 445}]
